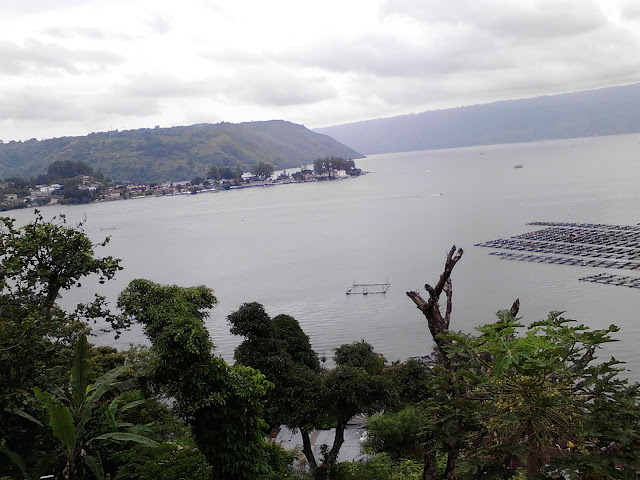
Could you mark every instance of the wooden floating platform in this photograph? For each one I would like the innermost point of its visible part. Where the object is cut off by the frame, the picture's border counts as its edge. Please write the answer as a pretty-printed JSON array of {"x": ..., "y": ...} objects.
[
  {"x": 610, "y": 279},
  {"x": 635, "y": 228},
  {"x": 595, "y": 251},
  {"x": 596, "y": 236},
  {"x": 594, "y": 245},
  {"x": 578, "y": 262},
  {"x": 368, "y": 288}
]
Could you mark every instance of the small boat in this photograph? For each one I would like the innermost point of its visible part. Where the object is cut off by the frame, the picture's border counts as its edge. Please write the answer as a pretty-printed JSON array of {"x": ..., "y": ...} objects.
[{"x": 518, "y": 166}]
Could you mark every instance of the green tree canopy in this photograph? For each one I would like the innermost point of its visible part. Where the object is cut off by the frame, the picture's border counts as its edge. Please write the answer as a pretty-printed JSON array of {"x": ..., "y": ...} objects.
[
  {"x": 504, "y": 400},
  {"x": 328, "y": 165},
  {"x": 263, "y": 170},
  {"x": 37, "y": 262},
  {"x": 305, "y": 396},
  {"x": 282, "y": 352},
  {"x": 398, "y": 434},
  {"x": 63, "y": 169},
  {"x": 223, "y": 404},
  {"x": 542, "y": 387}
]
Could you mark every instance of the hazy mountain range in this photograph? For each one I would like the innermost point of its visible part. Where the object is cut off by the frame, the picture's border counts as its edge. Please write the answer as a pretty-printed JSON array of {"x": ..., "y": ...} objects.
[
  {"x": 178, "y": 153},
  {"x": 606, "y": 111},
  {"x": 182, "y": 153}
]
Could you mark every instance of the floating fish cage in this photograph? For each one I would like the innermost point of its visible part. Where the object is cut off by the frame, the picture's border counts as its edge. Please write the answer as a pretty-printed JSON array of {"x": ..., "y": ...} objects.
[
  {"x": 368, "y": 288},
  {"x": 581, "y": 244}
]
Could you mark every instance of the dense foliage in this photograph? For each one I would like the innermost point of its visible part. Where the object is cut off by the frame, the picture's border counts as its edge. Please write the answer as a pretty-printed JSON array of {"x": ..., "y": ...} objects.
[
  {"x": 37, "y": 337},
  {"x": 220, "y": 402},
  {"x": 64, "y": 169},
  {"x": 263, "y": 170},
  {"x": 525, "y": 402},
  {"x": 512, "y": 401},
  {"x": 305, "y": 396},
  {"x": 329, "y": 165}
]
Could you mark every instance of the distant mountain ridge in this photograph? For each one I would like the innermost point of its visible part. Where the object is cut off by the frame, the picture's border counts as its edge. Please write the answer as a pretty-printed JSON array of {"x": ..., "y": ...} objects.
[
  {"x": 605, "y": 111},
  {"x": 177, "y": 153}
]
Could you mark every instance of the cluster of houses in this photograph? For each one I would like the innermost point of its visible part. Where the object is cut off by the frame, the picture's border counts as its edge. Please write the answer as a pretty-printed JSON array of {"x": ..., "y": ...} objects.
[
  {"x": 41, "y": 195},
  {"x": 129, "y": 190}
]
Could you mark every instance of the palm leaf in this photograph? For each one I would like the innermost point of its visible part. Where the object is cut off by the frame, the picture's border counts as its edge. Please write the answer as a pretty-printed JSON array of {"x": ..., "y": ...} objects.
[
  {"x": 129, "y": 405},
  {"x": 60, "y": 394},
  {"x": 24, "y": 414},
  {"x": 80, "y": 371},
  {"x": 60, "y": 418},
  {"x": 16, "y": 459},
  {"x": 95, "y": 464},
  {"x": 61, "y": 421},
  {"x": 110, "y": 413},
  {"x": 96, "y": 391},
  {"x": 127, "y": 437}
]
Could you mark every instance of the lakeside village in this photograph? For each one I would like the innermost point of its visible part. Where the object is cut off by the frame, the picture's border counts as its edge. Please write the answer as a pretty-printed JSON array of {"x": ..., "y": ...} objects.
[{"x": 71, "y": 182}]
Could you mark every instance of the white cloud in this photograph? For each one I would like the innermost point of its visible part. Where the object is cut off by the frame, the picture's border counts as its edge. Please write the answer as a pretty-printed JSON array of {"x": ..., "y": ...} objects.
[
  {"x": 75, "y": 66},
  {"x": 35, "y": 57}
]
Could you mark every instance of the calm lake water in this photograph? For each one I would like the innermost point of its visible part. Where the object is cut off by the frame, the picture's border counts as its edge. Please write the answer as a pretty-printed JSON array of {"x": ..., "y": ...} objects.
[{"x": 297, "y": 248}]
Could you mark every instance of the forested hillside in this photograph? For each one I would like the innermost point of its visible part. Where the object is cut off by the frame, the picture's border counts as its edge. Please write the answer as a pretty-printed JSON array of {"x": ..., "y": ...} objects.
[
  {"x": 178, "y": 153},
  {"x": 606, "y": 111}
]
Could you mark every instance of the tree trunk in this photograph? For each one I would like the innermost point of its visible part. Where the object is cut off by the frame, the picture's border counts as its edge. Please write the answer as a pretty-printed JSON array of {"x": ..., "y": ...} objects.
[
  {"x": 448, "y": 473},
  {"x": 429, "y": 469},
  {"x": 535, "y": 459},
  {"x": 332, "y": 456},
  {"x": 308, "y": 452},
  {"x": 436, "y": 321}
]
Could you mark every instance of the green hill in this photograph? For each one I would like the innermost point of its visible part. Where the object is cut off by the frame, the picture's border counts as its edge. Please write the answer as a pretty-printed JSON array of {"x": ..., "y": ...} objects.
[{"x": 177, "y": 153}]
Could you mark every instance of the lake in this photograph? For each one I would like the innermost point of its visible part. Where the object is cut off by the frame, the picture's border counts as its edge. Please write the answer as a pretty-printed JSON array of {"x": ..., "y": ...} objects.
[{"x": 297, "y": 248}]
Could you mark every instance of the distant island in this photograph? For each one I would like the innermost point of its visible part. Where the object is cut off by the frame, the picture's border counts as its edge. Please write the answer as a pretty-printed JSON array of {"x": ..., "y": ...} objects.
[
  {"x": 157, "y": 155},
  {"x": 69, "y": 182},
  {"x": 606, "y": 111}
]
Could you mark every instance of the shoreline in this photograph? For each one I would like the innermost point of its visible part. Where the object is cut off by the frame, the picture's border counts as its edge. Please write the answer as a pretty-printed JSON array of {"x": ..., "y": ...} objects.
[{"x": 188, "y": 192}]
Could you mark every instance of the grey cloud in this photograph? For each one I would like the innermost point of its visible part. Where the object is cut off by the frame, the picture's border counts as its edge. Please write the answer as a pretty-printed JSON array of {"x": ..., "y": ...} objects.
[
  {"x": 36, "y": 56},
  {"x": 386, "y": 55},
  {"x": 459, "y": 43},
  {"x": 122, "y": 106},
  {"x": 163, "y": 86},
  {"x": 37, "y": 104},
  {"x": 265, "y": 85},
  {"x": 279, "y": 88},
  {"x": 522, "y": 19},
  {"x": 30, "y": 104}
]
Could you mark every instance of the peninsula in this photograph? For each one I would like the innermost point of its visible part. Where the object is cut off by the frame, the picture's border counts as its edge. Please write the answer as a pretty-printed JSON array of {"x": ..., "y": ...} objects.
[{"x": 156, "y": 155}]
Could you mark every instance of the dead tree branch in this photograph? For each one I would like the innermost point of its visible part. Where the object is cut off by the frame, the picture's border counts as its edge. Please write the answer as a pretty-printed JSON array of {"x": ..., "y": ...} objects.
[{"x": 437, "y": 322}]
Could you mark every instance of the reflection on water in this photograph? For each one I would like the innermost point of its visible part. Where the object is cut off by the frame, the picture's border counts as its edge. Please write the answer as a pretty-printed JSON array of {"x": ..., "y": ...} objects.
[{"x": 297, "y": 248}]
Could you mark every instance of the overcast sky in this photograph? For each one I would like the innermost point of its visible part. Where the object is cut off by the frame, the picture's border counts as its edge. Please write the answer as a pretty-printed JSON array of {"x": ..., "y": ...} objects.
[{"x": 70, "y": 67}]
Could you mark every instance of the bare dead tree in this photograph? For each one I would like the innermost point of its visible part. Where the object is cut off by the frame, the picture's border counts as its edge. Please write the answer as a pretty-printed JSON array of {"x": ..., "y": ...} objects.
[{"x": 437, "y": 321}]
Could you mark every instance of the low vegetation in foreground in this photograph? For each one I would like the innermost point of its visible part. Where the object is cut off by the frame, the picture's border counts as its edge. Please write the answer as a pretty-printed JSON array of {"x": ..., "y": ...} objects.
[{"x": 512, "y": 401}]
